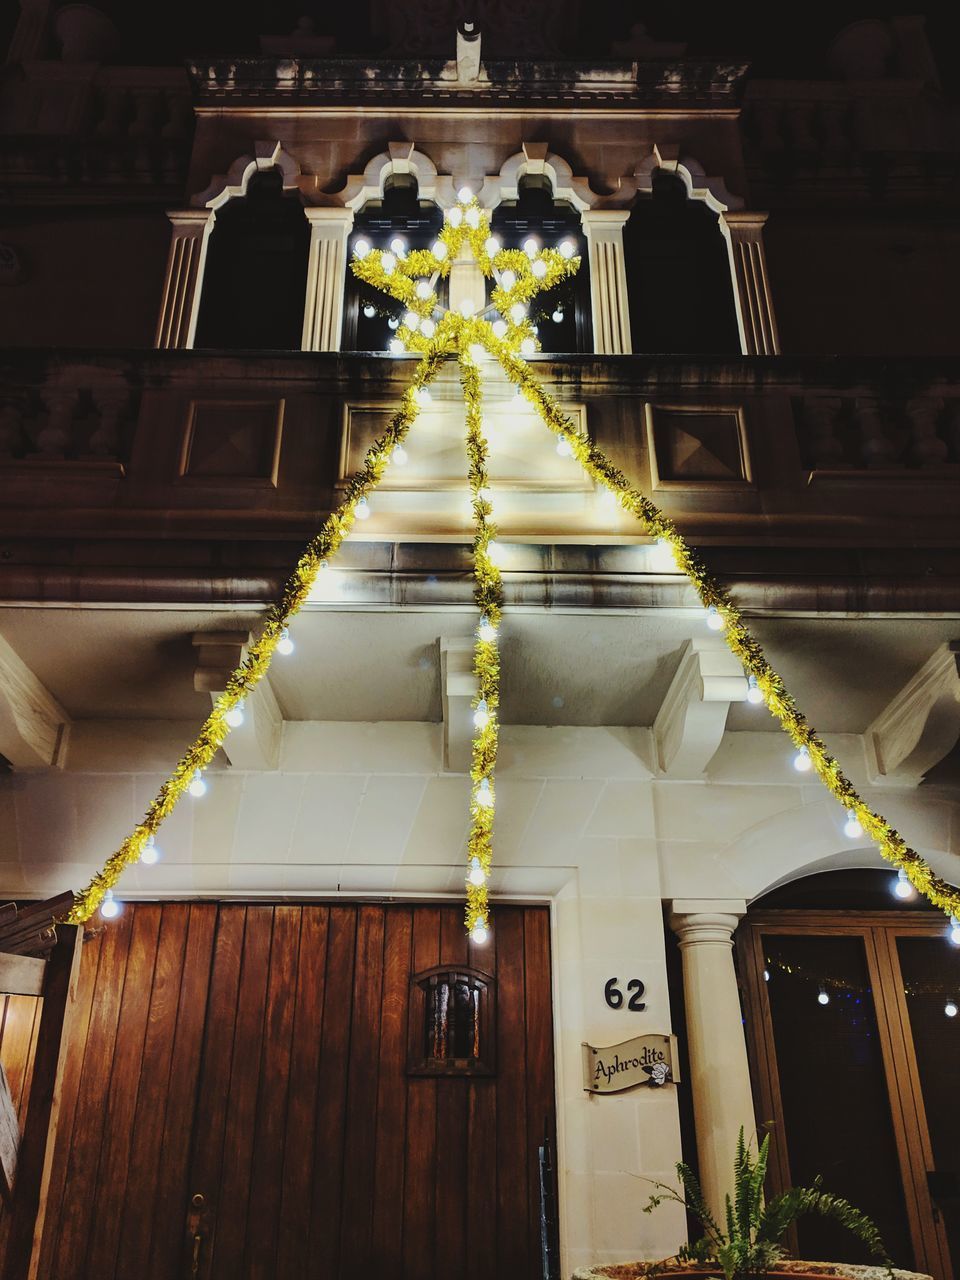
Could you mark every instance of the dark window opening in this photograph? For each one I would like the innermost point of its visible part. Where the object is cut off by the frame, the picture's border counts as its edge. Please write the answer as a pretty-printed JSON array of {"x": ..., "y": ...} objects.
[
  {"x": 561, "y": 314},
  {"x": 451, "y": 1029},
  {"x": 255, "y": 278},
  {"x": 370, "y": 317},
  {"x": 678, "y": 274}
]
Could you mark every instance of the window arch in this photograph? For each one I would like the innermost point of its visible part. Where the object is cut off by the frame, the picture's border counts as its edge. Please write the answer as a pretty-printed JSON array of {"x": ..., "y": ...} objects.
[
  {"x": 678, "y": 273},
  {"x": 255, "y": 275}
]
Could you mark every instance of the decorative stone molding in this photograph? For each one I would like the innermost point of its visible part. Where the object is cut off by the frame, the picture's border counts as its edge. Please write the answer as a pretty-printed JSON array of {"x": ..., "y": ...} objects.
[
  {"x": 180, "y": 304},
  {"x": 458, "y": 686},
  {"x": 743, "y": 232},
  {"x": 254, "y": 744},
  {"x": 536, "y": 158},
  {"x": 691, "y": 720},
  {"x": 712, "y": 191},
  {"x": 609, "y": 300},
  {"x": 33, "y": 725},
  {"x": 228, "y": 186},
  {"x": 920, "y": 725},
  {"x": 400, "y": 157},
  {"x": 326, "y": 275}
]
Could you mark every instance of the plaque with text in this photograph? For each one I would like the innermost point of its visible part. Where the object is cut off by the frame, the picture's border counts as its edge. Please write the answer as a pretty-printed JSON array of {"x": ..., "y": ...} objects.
[{"x": 645, "y": 1060}]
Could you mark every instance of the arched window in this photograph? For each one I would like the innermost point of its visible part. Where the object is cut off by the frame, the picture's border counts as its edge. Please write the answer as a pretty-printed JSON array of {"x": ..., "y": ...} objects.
[
  {"x": 678, "y": 274},
  {"x": 562, "y": 314},
  {"x": 370, "y": 316},
  {"x": 255, "y": 277}
]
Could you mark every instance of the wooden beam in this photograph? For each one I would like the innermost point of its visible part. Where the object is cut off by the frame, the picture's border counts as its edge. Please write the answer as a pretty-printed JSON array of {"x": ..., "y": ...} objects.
[{"x": 33, "y": 725}]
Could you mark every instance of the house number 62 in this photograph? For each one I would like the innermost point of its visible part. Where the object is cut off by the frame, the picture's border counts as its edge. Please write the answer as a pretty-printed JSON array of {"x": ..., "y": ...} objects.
[{"x": 614, "y": 996}]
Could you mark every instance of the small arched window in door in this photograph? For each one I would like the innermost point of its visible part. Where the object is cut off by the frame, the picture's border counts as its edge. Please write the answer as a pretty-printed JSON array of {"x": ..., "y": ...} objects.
[
  {"x": 451, "y": 1027},
  {"x": 678, "y": 274},
  {"x": 255, "y": 277}
]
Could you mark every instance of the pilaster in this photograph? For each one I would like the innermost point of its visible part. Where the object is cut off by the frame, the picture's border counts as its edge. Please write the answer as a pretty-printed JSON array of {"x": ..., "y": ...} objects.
[
  {"x": 609, "y": 302},
  {"x": 743, "y": 231},
  {"x": 177, "y": 325},
  {"x": 326, "y": 277}
]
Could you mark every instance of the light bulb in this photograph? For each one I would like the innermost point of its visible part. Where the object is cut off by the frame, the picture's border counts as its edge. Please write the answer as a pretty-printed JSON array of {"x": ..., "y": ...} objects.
[
  {"x": 234, "y": 716},
  {"x": 331, "y": 577},
  {"x": 499, "y": 328},
  {"x": 528, "y": 347},
  {"x": 852, "y": 828},
  {"x": 495, "y": 553},
  {"x": 539, "y": 269},
  {"x": 399, "y": 455},
  {"x": 477, "y": 876},
  {"x": 564, "y": 447},
  {"x": 902, "y": 888},
  {"x": 517, "y": 312},
  {"x": 566, "y": 249},
  {"x": 530, "y": 247},
  {"x": 477, "y": 352},
  {"x": 485, "y": 795},
  {"x": 454, "y": 217},
  {"x": 398, "y": 246},
  {"x": 950, "y": 1008},
  {"x": 388, "y": 262},
  {"x": 439, "y": 250},
  {"x": 479, "y": 933},
  {"x": 150, "y": 852},
  {"x": 361, "y": 248},
  {"x": 481, "y": 715},
  {"x": 369, "y": 311},
  {"x": 465, "y": 195},
  {"x": 285, "y": 644},
  {"x": 393, "y": 323},
  {"x": 954, "y": 934},
  {"x": 197, "y": 785},
  {"x": 428, "y": 328},
  {"x": 822, "y": 997},
  {"x": 519, "y": 401},
  {"x": 754, "y": 692},
  {"x": 715, "y": 619},
  {"x": 411, "y": 319},
  {"x": 766, "y": 975},
  {"x": 802, "y": 762},
  {"x": 423, "y": 289},
  {"x": 492, "y": 246},
  {"x": 508, "y": 279},
  {"x": 362, "y": 509},
  {"x": 486, "y": 630},
  {"x": 557, "y": 316},
  {"x": 467, "y": 308},
  {"x": 109, "y": 907},
  {"x": 472, "y": 217},
  {"x": 396, "y": 347},
  {"x": 423, "y": 397}
]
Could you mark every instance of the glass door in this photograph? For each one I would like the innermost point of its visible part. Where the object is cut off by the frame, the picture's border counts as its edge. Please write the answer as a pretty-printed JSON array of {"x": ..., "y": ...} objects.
[{"x": 847, "y": 1061}]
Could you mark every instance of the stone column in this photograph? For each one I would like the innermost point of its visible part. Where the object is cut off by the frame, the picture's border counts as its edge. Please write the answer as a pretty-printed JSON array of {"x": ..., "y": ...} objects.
[
  {"x": 326, "y": 277},
  {"x": 177, "y": 325},
  {"x": 722, "y": 1099},
  {"x": 743, "y": 232},
  {"x": 609, "y": 302}
]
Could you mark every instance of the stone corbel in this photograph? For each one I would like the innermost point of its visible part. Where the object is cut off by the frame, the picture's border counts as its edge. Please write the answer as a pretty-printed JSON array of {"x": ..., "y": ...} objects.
[
  {"x": 255, "y": 744},
  {"x": 33, "y": 725},
  {"x": 920, "y": 725},
  {"x": 690, "y": 723},
  {"x": 458, "y": 687}
]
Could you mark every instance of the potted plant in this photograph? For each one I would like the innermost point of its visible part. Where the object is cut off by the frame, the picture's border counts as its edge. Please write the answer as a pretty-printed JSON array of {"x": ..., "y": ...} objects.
[{"x": 748, "y": 1244}]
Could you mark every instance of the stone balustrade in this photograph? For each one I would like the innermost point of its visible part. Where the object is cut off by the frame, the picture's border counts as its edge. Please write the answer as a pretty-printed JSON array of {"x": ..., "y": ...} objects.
[{"x": 867, "y": 433}]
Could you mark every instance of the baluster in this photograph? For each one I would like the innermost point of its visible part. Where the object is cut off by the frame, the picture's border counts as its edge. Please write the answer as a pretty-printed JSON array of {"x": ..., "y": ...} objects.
[
  {"x": 825, "y": 448},
  {"x": 114, "y": 100},
  {"x": 53, "y": 435},
  {"x": 800, "y": 116},
  {"x": 110, "y": 403},
  {"x": 768, "y": 119},
  {"x": 876, "y": 447},
  {"x": 951, "y": 429},
  {"x": 927, "y": 448},
  {"x": 834, "y": 122},
  {"x": 11, "y": 431}
]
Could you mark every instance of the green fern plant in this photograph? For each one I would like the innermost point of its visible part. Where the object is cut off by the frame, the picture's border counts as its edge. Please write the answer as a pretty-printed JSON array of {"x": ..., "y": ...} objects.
[{"x": 749, "y": 1241}]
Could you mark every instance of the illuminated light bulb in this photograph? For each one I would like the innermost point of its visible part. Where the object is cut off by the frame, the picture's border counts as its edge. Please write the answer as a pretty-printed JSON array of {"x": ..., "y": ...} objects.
[
  {"x": 484, "y": 794},
  {"x": 467, "y": 308},
  {"x": 564, "y": 447},
  {"x": 822, "y": 997},
  {"x": 465, "y": 195},
  {"x": 361, "y": 248},
  {"x": 398, "y": 246},
  {"x": 109, "y": 908},
  {"x": 481, "y": 715},
  {"x": 399, "y": 455},
  {"x": 411, "y": 319},
  {"x": 439, "y": 250},
  {"x": 499, "y": 328},
  {"x": 423, "y": 289},
  {"x": 369, "y": 311},
  {"x": 389, "y": 263},
  {"x": 331, "y": 577},
  {"x": 519, "y": 400},
  {"x": 528, "y": 347},
  {"x": 518, "y": 312},
  {"x": 754, "y": 692},
  {"x": 477, "y": 876},
  {"x": 902, "y": 888},
  {"x": 566, "y": 249},
  {"x": 362, "y": 509},
  {"x": 197, "y": 785},
  {"x": 802, "y": 762},
  {"x": 285, "y": 643},
  {"x": 486, "y": 630},
  {"x": 950, "y": 1008},
  {"x": 715, "y": 619},
  {"x": 393, "y": 323},
  {"x": 495, "y": 553},
  {"x": 472, "y": 217},
  {"x": 150, "y": 852},
  {"x": 766, "y": 975},
  {"x": 557, "y": 316},
  {"x": 954, "y": 934},
  {"x": 423, "y": 397},
  {"x": 234, "y": 716},
  {"x": 539, "y": 269},
  {"x": 428, "y": 328},
  {"x": 852, "y": 828},
  {"x": 477, "y": 352},
  {"x": 479, "y": 933},
  {"x": 508, "y": 279},
  {"x": 396, "y": 347},
  {"x": 492, "y": 246},
  {"x": 454, "y": 217},
  {"x": 530, "y": 247}
]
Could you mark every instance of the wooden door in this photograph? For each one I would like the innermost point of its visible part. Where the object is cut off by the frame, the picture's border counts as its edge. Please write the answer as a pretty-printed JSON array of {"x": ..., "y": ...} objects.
[{"x": 257, "y": 1057}]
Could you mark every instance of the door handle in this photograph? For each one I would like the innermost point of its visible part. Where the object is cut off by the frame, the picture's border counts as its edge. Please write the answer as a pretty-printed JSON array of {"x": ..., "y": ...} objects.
[{"x": 198, "y": 1205}]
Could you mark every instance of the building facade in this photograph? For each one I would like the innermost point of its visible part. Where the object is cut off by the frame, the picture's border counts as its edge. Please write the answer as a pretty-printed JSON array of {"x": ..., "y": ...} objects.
[{"x": 762, "y": 336}]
